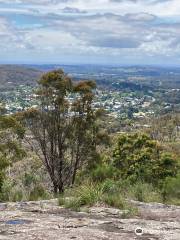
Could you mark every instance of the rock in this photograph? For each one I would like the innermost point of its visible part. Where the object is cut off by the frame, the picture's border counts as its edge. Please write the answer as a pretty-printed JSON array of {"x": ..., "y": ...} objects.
[{"x": 44, "y": 220}]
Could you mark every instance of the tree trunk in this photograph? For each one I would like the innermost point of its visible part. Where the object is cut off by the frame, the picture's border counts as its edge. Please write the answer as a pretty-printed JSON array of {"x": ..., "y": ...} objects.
[
  {"x": 60, "y": 188},
  {"x": 76, "y": 163},
  {"x": 75, "y": 171},
  {"x": 55, "y": 189}
]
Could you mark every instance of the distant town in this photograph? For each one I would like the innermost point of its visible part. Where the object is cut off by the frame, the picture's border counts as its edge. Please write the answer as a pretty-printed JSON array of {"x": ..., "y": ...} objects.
[{"x": 125, "y": 93}]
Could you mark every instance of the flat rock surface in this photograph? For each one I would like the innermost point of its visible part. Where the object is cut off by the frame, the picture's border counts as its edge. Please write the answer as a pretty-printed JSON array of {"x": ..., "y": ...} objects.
[{"x": 45, "y": 220}]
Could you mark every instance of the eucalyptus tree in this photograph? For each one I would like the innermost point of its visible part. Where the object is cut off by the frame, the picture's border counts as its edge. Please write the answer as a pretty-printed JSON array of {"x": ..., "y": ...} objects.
[{"x": 63, "y": 127}]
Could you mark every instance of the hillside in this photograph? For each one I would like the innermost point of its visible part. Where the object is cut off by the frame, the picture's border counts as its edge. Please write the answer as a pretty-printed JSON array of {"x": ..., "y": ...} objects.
[{"x": 13, "y": 75}]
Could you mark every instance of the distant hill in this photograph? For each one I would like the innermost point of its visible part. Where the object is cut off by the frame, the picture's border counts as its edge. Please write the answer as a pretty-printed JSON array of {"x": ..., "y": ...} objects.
[
  {"x": 110, "y": 77},
  {"x": 13, "y": 75}
]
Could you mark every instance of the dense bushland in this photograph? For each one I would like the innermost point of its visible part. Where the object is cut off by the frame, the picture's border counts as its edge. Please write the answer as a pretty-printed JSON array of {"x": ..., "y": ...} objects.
[
  {"x": 11, "y": 133},
  {"x": 136, "y": 167},
  {"x": 77, "y": 156}
]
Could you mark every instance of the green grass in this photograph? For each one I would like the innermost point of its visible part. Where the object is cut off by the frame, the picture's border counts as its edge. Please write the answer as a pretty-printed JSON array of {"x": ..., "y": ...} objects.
[
  {"x": 91, "y": 194},
  {"x": 114, "y": 200},
  {"x": 173, "y": 201},
  {"x": 144, "y": 192},
  {"x": 116, "y": 194},
  {"x": 85, "y": 195}
]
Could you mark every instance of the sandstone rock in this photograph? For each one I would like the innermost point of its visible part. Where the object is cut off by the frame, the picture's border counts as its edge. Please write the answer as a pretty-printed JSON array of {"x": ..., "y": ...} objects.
[{"x": 45, "y": 220}]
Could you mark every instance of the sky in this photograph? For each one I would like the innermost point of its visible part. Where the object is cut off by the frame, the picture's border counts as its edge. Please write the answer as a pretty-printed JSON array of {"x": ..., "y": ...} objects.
[{"x": 90, "y": 31}]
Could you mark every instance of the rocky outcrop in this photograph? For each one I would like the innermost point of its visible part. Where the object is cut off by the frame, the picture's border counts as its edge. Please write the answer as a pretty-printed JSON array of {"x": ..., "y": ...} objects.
[{"x": 45, "y": 220}]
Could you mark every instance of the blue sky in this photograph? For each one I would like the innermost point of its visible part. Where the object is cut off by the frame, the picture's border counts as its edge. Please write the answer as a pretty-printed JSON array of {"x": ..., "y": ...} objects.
[{"x": 90, "y": 31}]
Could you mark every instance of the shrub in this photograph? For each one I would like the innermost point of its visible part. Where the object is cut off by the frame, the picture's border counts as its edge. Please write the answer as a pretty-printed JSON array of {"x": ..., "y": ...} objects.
[
  {"x": 38, "y": 193},
  {"x": 110, "y": 187},
  {"x": 85, "y": 195},
  {"x": 171, "y": 190},
  {"x": 144, "y": 192},
  {"x": 28, "y": 179},
  {"x": 90, "y": 194},
  {"x": 103, "y": 172},
  {"x": 139, "y": 158},
  {"x": 6, "y": 190},
  {"x": 74, "y": 204},
  {"x": 10, "y": 146},
  {"x": 17, "y": 195},
  {"x": 115, "y": 200},
  {"x": 11, "y": 192}
]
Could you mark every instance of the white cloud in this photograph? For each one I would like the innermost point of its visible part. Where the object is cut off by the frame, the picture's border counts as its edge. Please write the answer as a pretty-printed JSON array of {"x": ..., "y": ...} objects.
[
  {"x": 100, "y": 28},
  {"x": 155, "y": 7}
]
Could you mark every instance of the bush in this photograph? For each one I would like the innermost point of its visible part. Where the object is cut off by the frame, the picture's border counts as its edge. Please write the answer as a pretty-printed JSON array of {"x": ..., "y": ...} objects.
[
  {"x": 6, "y": 190},
  {"x": 144, "y": 192},
  {"x": 13, "y": 192},
  {"x": 85, "y": 195},
  {"x": 103, "y": 172},
  {"x": 38, "y": 193},
  {"x": 110, "y": 186},
  {"x": 3, "y": 166},
  {"x": 115, "y": 200},
  {"x": 90, "y": 194},
  {"x": 171, "y": 190},
  {"x": 29, "y": 179},
  {"x": 139, "y": 158},
  {"x": 17, "y": 195}
]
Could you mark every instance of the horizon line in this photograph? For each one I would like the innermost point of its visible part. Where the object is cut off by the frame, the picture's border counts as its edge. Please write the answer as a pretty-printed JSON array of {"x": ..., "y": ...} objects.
[{"x": 91, "y": 64}]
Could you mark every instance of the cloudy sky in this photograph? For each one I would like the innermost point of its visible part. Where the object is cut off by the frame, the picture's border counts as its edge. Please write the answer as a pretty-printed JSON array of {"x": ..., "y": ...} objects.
[{"x": 90, "y": 31}]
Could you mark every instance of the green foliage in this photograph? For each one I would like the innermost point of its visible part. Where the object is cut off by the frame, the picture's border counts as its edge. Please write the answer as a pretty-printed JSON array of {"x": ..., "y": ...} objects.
[
  {"x": 18, "y": 196},
  {"x": 171, "y": 190},
  {"x": 84, "y": 195},
  {"x": 29, "y": 179},
  {"x": 25, "y": 181},
  {"x": 3, "y": 165},
  {"x": 13, "y": 192},
  {"x": 61, "y": 200},
  {"x": 73, "y": 204},
  {"x": 141, "y": 159},
  {"x": 168, "y": 166},
  {"x": 10, "y": 148},
  {"x": 6, "y": 188},
  {"x": 38, "y": 193},
  {"x": 69, "y": 143},
  {"x": 90, "y": 194},
  {"x": 110, "y": 187},
  {"x": 103, "y": 172},
  {"x": 144, "y": 192},
  {"x": 137, "y": 171},
  {"x": 115, "y": 200}
]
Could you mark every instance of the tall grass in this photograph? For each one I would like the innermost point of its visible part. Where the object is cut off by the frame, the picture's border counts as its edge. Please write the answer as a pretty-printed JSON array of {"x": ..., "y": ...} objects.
[
  {"x": 89, "y": 194},
  {"x": 144, "y": 192}
]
